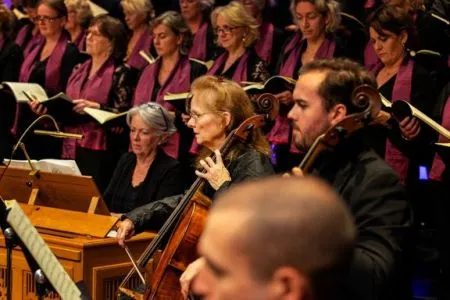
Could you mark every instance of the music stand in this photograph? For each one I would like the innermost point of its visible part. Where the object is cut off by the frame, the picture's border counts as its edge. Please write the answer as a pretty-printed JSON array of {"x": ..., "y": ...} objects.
[
  {"x": 43, "y": 287},
  {"x": 48, "y": 273},
  {"x": 75, "y": 193}
]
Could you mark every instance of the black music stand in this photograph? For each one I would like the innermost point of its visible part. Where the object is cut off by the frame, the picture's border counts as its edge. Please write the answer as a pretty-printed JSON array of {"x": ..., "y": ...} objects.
[{"x": 43, "y": 286}]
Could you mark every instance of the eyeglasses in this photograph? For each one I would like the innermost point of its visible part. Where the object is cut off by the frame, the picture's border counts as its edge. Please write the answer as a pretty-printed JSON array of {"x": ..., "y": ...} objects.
[
  {"x": 157, "y": 106},
  {"x": 225, "y": 29},
  {"x": 45, "y": 19},
  {"x": 195, "y": 116}
]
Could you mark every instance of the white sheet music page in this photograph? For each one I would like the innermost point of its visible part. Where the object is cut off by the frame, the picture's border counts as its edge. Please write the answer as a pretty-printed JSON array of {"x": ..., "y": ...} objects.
[{"x": 47, "y": 261}]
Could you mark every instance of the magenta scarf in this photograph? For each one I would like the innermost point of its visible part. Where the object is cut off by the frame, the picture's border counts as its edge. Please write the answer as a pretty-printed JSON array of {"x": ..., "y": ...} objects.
[
  {"x": 135, "y": 60},
  {"x": 438, "y": 167},
  {"x": 35, "y": 41},
  {"x": 80, "y": 41},
  {"x": 291, "y": 55},
  {"x": 264, "y": 45},
  {"x": 199, "y": 48},
  {"x": 2, "y": 41},
  {"x": 280, "y": 131},
  {"x": 96, "y": 89},
  {"x": 402, "y": 91},
  {"x": 23, "y": 34},
  {"x": 241, "y": 71},
  {"x": 179, "y": 81},
  {"x": 53, "y": 68},
  {"x": 371, "y": 59}
]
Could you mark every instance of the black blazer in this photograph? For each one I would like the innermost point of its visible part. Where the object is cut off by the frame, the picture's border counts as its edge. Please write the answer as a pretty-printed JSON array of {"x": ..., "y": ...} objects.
[
  {"x": 163, "y": 179},
  {"x": 378, "y": 204}
]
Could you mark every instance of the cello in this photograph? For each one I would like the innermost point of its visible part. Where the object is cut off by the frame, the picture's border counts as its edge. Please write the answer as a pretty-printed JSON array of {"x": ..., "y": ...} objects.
[
  {"x": 367, "y": 100},
  {"x": 186, "y": 222}
]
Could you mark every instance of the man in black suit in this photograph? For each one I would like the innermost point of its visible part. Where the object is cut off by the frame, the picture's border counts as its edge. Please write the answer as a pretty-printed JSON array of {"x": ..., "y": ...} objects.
[{"x": 371, "y": 189}]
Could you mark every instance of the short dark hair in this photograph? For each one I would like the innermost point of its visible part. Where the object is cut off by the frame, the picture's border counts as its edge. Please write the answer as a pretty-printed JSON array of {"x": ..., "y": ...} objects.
[
  {"x": 394, "y": 19},
  {"x": 57, "y": 5},
  {"x": 295, "y": 222},
  {"x": 342, "y": 77},
  {"x": 115, "y": 32}
]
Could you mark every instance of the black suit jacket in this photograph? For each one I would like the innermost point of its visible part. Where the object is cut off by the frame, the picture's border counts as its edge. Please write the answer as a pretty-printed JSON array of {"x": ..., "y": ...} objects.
[{"x": 382, "y": 215}]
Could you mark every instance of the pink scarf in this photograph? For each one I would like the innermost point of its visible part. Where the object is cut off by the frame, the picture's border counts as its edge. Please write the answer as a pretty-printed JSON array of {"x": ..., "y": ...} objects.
[
  {"x": 179, "y": 81},
  {"x": 96, "y": 89},
  {"x": 53, "y": 68},
  {"x": 438, "y": 166},
  {"x": 264, "y": 45},
  {"x": 199, "y": 48},
  {"x": 80, "y": 41},
  {"x": 144, "y": 43},
  {"x": 402, "y": 91},
  {"x": 241, "y": 71},
  {"x": 371, "y": 59},
  {"x": 280, "y": 132},
  {"x": 23, "y": 34}
]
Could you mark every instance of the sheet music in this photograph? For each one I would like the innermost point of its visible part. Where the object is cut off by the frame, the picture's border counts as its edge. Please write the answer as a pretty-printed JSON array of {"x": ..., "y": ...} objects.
[{"x": 47, "y": 261}]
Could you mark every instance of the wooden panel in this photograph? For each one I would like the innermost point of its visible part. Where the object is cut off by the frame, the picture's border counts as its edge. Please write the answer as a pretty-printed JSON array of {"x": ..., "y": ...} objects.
[
  {"x": 55, "y": 190},
  {"x": 69, "y": 221},
  {"x": 87, "y": 259}
]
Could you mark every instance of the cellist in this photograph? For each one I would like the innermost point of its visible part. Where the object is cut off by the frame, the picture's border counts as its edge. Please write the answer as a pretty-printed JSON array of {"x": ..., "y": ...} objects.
[
  {"x": 217, "y": 107},
  {"x": 370, "y": 188}
]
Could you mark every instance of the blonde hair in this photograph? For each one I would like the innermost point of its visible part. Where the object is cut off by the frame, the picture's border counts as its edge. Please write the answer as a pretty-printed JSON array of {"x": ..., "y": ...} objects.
[
  {"x": 222, "y": 95},
  {"x": 82, "y": 9},
  {"x": 142, "y": 7},
  {"x": 327, "y": 8},
  {"x": 236, "y": 14}
]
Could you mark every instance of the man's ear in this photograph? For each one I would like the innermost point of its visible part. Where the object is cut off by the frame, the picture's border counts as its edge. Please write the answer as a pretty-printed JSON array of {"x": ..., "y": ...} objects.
[
  {"x": 337, "y": 113},
  {"x": 289, "y": 284}
]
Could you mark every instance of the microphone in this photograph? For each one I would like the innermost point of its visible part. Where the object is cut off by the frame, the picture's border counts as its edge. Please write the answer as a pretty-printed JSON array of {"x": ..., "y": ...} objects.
[{"x": 59, "y": 134}]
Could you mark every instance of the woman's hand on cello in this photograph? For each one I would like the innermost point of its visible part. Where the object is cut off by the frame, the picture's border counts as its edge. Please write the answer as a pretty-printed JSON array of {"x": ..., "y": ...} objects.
[
  {"x": 410, "y": 128},
  {"x": 215, "y": 172},
  {"x": 125, "y": 231},
  {"x": 189, "y": 274}
]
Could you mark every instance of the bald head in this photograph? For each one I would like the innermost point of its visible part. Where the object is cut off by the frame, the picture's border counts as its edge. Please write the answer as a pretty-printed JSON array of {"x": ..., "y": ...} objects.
[{"x": 296, "y": 222}]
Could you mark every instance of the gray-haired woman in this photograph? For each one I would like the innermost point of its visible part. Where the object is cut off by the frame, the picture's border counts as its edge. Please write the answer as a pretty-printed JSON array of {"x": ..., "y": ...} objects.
[{"x": 145, "y": 174}]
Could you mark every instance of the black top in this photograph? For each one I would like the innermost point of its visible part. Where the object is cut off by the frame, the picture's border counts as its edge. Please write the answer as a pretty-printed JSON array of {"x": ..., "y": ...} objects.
[
  {"x": 10, "y": 61},
  {"x": 250, "y": 165},
  {"x": 256, "y": 68},
  {"x": 70, "y": 59},
  {"x": 378, "y": 203},
  {"x": 423, "y": 97},
  {"x": 163, "y": 179},
  {"x": 345, "y": 47}
]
